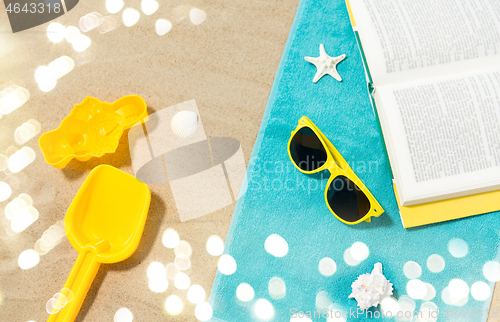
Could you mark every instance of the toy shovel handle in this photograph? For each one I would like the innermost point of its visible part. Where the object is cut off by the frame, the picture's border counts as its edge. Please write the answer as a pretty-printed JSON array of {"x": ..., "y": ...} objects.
[{"x": 79, "y": 281}]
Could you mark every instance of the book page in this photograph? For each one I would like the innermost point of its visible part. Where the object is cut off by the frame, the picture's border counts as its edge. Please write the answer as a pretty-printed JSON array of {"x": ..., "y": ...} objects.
[
  {"x": 410, "y": 40},
  {"x": 443, "y": 135}
]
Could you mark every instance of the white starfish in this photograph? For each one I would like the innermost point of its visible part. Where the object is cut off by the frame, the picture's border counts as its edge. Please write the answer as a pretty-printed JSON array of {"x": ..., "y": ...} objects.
[{"x": 325, "y": 64}]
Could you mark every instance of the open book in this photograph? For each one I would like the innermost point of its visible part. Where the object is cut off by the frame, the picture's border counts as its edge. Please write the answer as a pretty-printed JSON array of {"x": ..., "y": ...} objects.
[{"x": 435, "y": 70}]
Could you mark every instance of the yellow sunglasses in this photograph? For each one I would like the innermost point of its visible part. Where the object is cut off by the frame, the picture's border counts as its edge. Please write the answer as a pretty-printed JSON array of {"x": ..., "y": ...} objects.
[{"x": 346, "y": 196}]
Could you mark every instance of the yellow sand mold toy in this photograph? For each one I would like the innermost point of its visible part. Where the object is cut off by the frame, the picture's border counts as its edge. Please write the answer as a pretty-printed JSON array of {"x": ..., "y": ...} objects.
[{"x": 92, "y": 129}]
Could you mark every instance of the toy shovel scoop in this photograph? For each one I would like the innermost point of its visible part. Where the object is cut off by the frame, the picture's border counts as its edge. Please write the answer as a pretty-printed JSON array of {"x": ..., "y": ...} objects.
[{"x": 104, "y": 223}]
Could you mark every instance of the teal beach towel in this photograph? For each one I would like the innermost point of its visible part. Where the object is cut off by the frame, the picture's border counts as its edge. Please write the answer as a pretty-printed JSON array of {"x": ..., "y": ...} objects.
[{"x": 279, "y": 200}]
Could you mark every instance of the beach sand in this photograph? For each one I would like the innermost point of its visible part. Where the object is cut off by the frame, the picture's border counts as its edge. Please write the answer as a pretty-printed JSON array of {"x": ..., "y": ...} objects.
[{"x": 227, "y": 64}]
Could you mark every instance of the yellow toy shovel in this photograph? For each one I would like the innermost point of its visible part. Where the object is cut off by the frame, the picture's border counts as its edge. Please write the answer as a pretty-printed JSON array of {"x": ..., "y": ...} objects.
[{"x": 104, "y": 223}]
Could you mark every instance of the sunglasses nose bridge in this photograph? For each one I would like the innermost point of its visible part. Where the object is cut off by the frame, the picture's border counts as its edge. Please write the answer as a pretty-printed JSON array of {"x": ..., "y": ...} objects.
[{"x": 332, "y": 166}]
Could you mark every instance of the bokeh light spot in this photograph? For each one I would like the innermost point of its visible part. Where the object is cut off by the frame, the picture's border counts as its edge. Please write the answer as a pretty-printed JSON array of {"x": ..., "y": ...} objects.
[
  {"x": 130, "y": 17},
  {"x": 183, "y": 248},
  {"x": 227, "y": 264},
  {"x": 18, "y": 205},
  {"x": 197, "y": 16},
  {"x": 182, "y": 281},
  {"x": 173, "y": 305},
  {"x": 149, "y": 6},
  {"x": 162, "y": 26},
  {"x": 323, "y": 300},
  {"x": 91, "y": 21},
  {"x": 389, "y": 305},
  {"x": 416, "y": 289},
  {"x": 59, "y": 67},
  {"x": 21, "y": 159},
  {"x": 491, "y": 271},
  {"x": 203, "y": 311},
  {"x": 263, "y": 309},
  {"x": 56, "y": 32},
  {"x": 457, "y": 247},
  {"x": 51, "y": 237},
  {"x": 81, "y": 43},
  {"x": 71, "y": 33},
  {"x": 51, "y": 306},
  {"x": 480, "y": 291},
  {"x": 5, "y": 191},
  {"x": 24, "y": 219},
  {"x": 245, "y": 292},
  {"x": 359, "y": 251},
  {"x": 429, "y": 312},
  {"x": 349, "y": 259},
  {"x": 108, "y": 23},
  {"x": 458, "y": 288},
  {"x": 431, "y": 292},
  {"x": 215, "y": 245},
  {"x": 3, "y": 161},
  {"x": 435, "y": 263},
  {"x": 180, "y": 12},
  {"x": 47, "y": 86},
  {"x": 172, "y": 271},
  {"x": 158, "y": 285},
  {"x": 61, "y": 300},
  {"x": 123, "y": 315},
  {"x": 28, "y": 259},
  {"x": 450, "y": 299},
  {"x": 196, "y": 294},
  {"x": 114, "y": 6},
  {"x": 412, "y": 270},
  {"x": 182, "y": 262},
  {"x": 156, "y": 270},
  {"x": 170, "y": 238},
  {"x": 27, "y": 130},
  {"x": 276, "y": 245},
  {"x": 45, "y": 78},
  {"x": 327, "y": 266},
  {"x": 277, "y": 288},
  {"x": 11, "y": 98},
  {"x": 68, "y": 293}
]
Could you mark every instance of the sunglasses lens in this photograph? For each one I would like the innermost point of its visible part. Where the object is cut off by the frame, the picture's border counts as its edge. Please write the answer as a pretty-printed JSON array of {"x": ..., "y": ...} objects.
[
  {"x": 347, "y": 200},
  {"x": 307, "y": 151}
]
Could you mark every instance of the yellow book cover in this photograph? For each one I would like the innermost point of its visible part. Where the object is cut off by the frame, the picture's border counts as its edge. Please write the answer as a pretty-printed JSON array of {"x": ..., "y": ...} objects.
[{"x": 449, "y": 209}]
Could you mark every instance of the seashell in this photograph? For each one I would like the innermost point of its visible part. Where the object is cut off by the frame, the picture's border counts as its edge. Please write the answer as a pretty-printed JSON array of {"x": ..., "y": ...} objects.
[
  {"x": 370, "y": 289},
  {"x": 184, "y": 123}
]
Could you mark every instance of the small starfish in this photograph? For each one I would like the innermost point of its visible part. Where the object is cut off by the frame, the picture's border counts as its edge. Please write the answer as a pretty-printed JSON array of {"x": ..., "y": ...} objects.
[{"x": 325, "y": 64}]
